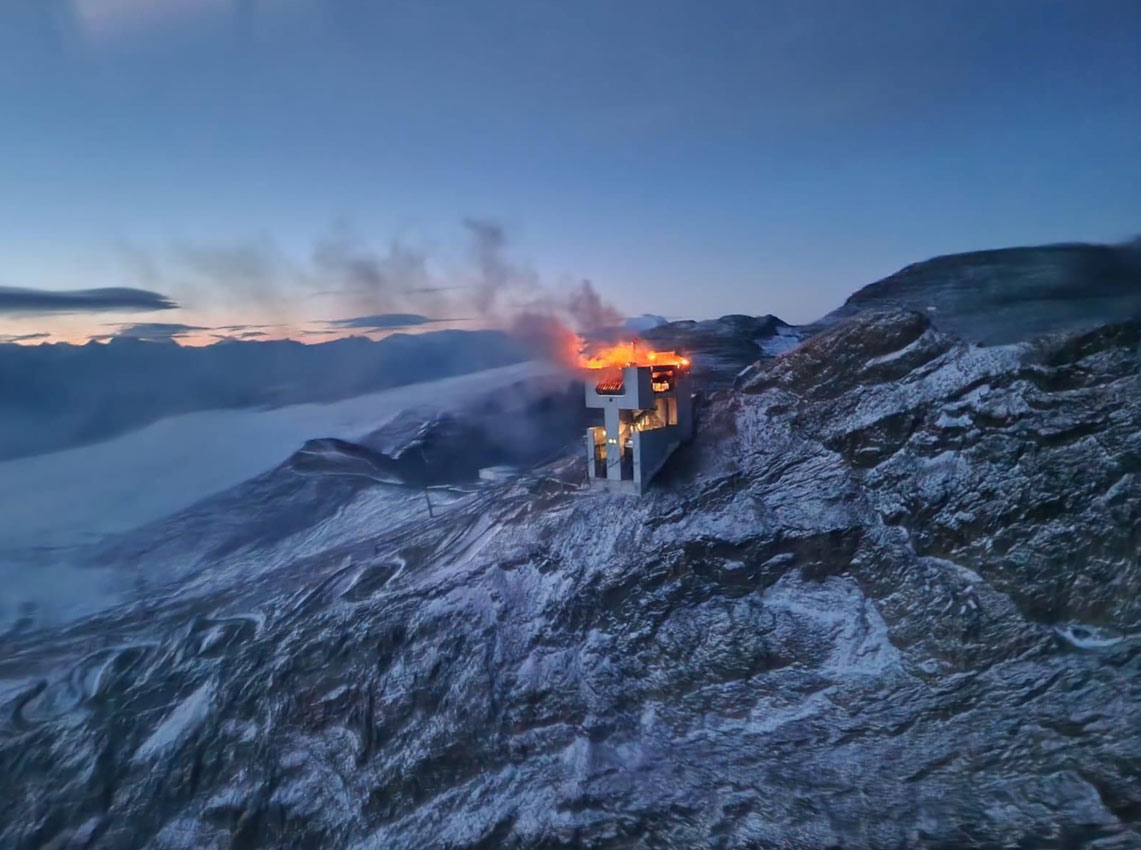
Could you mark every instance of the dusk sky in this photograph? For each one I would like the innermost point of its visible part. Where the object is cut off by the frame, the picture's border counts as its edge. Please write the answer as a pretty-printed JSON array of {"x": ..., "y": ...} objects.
[{"x": 237, "y": 157}]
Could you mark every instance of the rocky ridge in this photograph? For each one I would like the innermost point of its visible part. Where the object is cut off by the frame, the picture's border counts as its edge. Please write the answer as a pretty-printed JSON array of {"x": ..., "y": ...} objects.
[{"x": 1012, "y": 294}]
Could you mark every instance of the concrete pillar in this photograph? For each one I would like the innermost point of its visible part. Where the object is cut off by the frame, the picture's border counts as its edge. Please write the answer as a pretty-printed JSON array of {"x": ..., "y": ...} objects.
[
  {"x": 613, "y": 447},
  {"x": 637, "y": 449}
]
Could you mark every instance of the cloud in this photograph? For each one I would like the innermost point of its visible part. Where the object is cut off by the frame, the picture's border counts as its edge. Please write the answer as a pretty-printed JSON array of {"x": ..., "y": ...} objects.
[
  {"x": 156, "y": 331},
  {"x": 241, "y": 336},
  {"x": 245, "y": 326},
  {"x": 8, "y": 338},
  {"x": 382, "y": 321},
  {"x": 33, "y": 302}
]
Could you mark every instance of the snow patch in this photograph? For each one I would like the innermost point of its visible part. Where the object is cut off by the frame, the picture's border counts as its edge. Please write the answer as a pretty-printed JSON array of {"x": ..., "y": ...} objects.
[
  {"x": 963, "y": 572},
  {"x": 1087, "y": 637},
  {"x": 945, "y": 420},
  {"x": 44, "y": 593},
  {"x": 784, "y": 340},
  {"x": 187, "y": 716},
  {"x": 860, "y": 643},
  {"x": 898, "y": 353},
  {"x": 10, "y": 688}
]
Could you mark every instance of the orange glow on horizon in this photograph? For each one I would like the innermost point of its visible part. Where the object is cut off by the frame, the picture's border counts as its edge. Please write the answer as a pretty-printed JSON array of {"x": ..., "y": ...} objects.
[
  {"x": 201, "y": 339},
  {"x": 567, "y": 347}
]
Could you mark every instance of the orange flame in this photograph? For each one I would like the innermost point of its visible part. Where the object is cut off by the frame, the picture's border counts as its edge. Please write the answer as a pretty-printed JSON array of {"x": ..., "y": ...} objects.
[{"x": 628, "y": 354}]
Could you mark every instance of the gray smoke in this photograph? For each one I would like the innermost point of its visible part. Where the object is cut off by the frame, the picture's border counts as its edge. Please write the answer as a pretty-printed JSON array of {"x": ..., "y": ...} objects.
[
  {"x": 498, "y": 280},
  {"x": 513, "y": 296},
  {"x": 494, "y": 291},
  {"x": 252, "y": 271},
  {"x": 589, "y": 311},
  {"x": 380, "y": 282}
]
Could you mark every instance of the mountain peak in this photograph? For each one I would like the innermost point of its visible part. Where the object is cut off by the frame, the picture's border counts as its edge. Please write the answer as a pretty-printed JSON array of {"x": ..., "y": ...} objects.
[{"x": 1011, "y": 294}]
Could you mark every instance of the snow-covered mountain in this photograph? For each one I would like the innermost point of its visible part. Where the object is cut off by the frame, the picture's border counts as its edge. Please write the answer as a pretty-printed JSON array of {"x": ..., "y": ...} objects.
[
  {"x": 720, "y": 348},
  {"x": 1013, "y": 294},
  {"x": 888, "y": 597}
]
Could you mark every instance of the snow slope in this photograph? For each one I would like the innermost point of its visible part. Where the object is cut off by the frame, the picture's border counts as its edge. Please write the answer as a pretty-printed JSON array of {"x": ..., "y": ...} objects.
[{"x": 80, "y": 494}]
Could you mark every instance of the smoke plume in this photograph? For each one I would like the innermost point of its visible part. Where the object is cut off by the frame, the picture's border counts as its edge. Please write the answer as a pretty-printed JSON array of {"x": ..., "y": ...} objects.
[
  {"x": 493, "y": 290},
  {"x": 589, "y": 311}
]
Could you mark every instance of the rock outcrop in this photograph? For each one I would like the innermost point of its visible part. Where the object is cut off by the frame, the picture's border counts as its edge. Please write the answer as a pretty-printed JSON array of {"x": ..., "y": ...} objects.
[{"x": 1012, "y": 294}]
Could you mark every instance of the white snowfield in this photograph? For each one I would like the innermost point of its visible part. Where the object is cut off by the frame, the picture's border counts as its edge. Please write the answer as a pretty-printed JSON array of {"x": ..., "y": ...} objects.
[{"x": 78, "y": 495}]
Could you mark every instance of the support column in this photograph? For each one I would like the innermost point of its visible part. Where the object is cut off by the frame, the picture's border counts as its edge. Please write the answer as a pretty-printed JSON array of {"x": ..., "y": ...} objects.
[{"x": 613, "y": 447}]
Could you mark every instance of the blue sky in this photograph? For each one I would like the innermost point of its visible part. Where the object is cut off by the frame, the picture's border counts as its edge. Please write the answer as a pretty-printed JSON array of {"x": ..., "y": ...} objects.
[{"x": 690, "y": 158}]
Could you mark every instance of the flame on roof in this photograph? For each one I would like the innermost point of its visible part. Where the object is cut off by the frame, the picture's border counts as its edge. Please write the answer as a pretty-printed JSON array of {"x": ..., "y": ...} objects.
[
  {"x": 629, "y": 354},
  {"x": 610, "y": 382}
]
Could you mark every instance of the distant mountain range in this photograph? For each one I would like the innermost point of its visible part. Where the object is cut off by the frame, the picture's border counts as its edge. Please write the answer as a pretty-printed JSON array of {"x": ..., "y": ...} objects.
[{"x": 55, "y": 396}]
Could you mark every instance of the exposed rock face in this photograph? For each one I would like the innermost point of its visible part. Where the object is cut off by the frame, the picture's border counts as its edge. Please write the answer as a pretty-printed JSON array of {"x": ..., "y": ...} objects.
[
  {"x": 1013, "y": 294},
  {"x": 720, "y": 348},
  {"x": 888, "y": 598}
]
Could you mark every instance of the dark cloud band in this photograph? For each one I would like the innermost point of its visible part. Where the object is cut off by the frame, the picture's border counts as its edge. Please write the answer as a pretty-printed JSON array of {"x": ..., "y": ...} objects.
[
  {"x": 156, "y": 331},
  {"x": 18, "y": 300},
  {"x": 382, "y": 321}
]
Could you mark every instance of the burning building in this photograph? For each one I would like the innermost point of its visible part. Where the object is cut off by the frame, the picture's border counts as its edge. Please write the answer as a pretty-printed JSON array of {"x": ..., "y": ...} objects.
[{"x": 647, "y": 405}]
